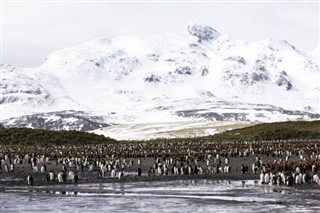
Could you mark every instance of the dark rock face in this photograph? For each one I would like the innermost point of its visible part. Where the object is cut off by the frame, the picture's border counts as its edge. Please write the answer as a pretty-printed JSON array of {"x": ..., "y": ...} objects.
[
  {"x": 260, "y": 74},
  {"x": 183, "y": 70},
  {"x": 213, "y": 116},
  {"x": 204, "y": 71},
  {"x": 262, "y": 111},
  {"x": 283, "y": 81},
  {"x": 62, "y": 120},
  {"x": 238, "y": 59},
  {"x": 203, "y": 32},
  {"x": 125, "y": 65},
  {"x": 152, "y": 79},
  {"x": 1, "y": 126},
  {"x": 256, "y": 77},
  {"x": 193, "y": 45}
]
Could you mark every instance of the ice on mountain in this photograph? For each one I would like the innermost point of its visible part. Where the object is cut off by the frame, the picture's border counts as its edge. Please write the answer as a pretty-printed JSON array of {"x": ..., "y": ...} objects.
[{"x": 17, "y": 88}]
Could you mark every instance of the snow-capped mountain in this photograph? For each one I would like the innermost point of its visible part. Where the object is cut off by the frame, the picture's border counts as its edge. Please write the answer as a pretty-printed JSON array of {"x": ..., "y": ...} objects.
[{"x": 194, "y": 75}]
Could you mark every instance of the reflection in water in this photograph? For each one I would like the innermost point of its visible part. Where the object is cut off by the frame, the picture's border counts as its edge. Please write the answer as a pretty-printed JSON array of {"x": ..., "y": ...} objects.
[
  {"x": 58, "y": 192},
  {"x": 274, "y": 189},
  {"x": 194, "y": 195},
  {"x": 122, "y": 188},
  {"x": 64, "y": 192}
]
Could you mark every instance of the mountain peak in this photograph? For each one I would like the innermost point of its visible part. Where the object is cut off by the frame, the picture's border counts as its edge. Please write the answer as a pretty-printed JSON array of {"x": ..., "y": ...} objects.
[
  {"x": 203, "y": 32},
  {"x": 100, "y": 40}
]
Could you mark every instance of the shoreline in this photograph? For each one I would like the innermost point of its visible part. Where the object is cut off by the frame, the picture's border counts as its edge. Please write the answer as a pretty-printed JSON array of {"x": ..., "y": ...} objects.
[
  {"x": 133, "y": 178},
  {"x": 13, "y": 184}
]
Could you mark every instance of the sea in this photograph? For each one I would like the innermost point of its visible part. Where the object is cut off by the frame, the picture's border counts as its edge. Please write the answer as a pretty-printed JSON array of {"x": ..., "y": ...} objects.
[{"x": 199, "y": 195}]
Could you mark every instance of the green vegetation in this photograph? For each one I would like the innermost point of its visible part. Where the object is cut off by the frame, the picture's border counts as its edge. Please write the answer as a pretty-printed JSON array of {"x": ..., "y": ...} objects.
[
  {"x": 26, "y": 136},
  {"x": 271, "y": 131},
  {"x": 266, "y": 131}
]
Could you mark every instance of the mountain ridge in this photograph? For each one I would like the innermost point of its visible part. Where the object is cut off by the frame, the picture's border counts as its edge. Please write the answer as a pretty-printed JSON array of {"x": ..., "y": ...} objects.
[{"x": 132, "y": 79}]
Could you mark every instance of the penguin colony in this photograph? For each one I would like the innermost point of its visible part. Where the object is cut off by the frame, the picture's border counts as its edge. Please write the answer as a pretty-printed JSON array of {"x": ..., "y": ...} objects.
[{"x": 275, "y": 162}]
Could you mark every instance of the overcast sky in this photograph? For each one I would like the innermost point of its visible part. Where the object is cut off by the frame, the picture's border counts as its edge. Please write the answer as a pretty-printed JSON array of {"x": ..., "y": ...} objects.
[{"x": 30, "y": 31}]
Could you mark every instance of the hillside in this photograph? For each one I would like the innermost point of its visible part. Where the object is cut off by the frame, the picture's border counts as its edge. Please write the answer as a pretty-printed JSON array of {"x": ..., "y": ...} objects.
[
  {"x": 26, "y": 136},
  {"x": 267, "y": 131},
  {"x": 271, "y": 131}
]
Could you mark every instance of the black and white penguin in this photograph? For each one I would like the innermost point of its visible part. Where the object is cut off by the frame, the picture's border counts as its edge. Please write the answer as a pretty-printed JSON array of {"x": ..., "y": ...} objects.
[
  {"x": 278, "y": 179},
  {"x": 30, "y": 180},
  {"x": 200, "y": 170},
  {"x": 90, "y": 167},
  {"x": 226, "y": 161},
  {"x": 70, "y": 175},
  {"x": 121, "y": 174},
  {"x": 64, "y": 168},
  {"x": 298, "y": 178},
  {"x": 262, "y": 177},
  {"x": 305, "y": 178},
  {"x": 12, "y": 167},
  {"x": 283, "y": 177},
  {"x": 165, "y": 169},
  {"x": 315, "y": 178},
  {"x": 243, "y": 168},
  {"x": 51, "y": 176},
  {"x": 75, "y": 178},
  {"x": 267, "y": 178},
  {"x": 175, "y": 170},
  {"x": 314, "y": 169},
  {"x": 289, "y": 180},
  {"x": 6, "y": 168},
  {"x": 35, "y": 169},
  {"x": 60, "y": 177},
  {"x": 43, "y": 168},
  {"x": 113, "y": 173},
  {"x": 139, "y": 171},
  {"x": 226, "y": 168}
]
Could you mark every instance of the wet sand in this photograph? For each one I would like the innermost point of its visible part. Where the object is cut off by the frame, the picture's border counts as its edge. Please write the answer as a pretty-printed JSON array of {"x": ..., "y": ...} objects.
[
  {"x": 169, "y": 161},
  {"x": 18, "y": 177}
]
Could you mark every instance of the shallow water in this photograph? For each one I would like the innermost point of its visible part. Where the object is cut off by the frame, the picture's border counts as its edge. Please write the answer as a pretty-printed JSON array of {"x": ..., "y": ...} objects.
[{"x": 170, "y": 196}]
